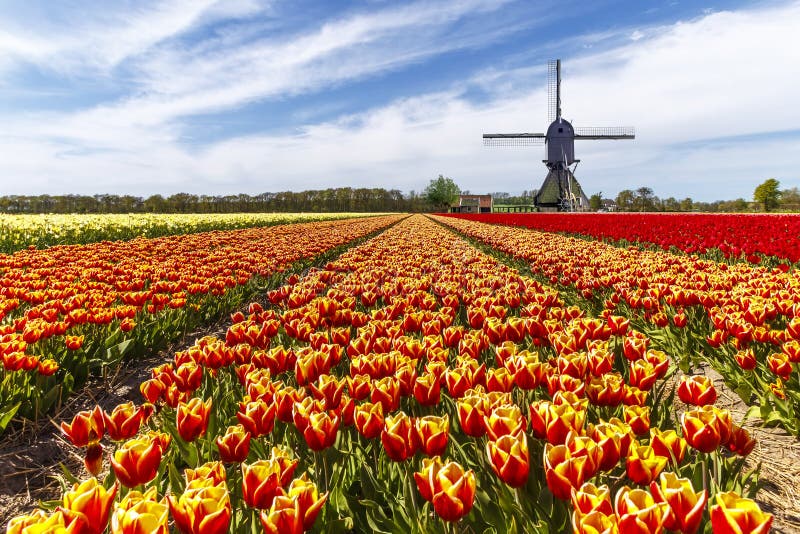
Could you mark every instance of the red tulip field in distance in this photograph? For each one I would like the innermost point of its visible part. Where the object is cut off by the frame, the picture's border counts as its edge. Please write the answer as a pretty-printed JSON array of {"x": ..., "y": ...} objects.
[
  {"x": 437, "y": 375},
  {"x": 734, "y": 235}
]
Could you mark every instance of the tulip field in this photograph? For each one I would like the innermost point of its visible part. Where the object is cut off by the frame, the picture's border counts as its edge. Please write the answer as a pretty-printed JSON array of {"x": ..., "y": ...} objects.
[
  {"x": 47, "y": 230},
  {"x": 752, "y": 237},
  {"x": 403, "y": 374}
]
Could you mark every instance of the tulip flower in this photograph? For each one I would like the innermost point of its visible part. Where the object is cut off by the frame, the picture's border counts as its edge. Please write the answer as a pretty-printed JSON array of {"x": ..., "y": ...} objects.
[
  {"x": 594, "y": 523},
  {"x": 284, "y": 517},
  {"x": 697, "y": 390},
  {"x": 606, "y": 390},
  {"x": 509, "y": 458},
  {"x": 637, "y": 511},
  {"x": 140, "y": 513},
  {"x": 472, "y": 411},
  {"x": 93, "y": 459},
  {"x": 447, "y": 487},
  {"x": 88, "y": 503},
  {"x": 399, "y": 437},
  {"x": 427, "y": 389},
  {"x": 136, "y": 462},
  {"x": 73, "y": 342},
  {"x": 369, "y": 419},
  {"x": 285, "y": 399},
  {"x": 733, "y": 514},
  {"x": 433, "y": 433},
  {"x": 740, "y": 441},
  {"x": 261, "y": 482},
  {"x": 669, "y": 444},
  {"x": 86, "y": 427},
  {"x": 321, "y": 431},
  {"x": 257, "y": 416},
  {"x": 202, "y": 509},
  {"x": 706, "y": 428},
  {"x": 387, "y": 392},
  {"x": 359, "y": 386},
  {"x": 305, "y": 493},
  {"x": 609, "y": 439},
  {"x": 564, "y": 472},
  {"x": 192, "y": 418},
  {"x": 638, "y": 417},
  {"x": 746, "y": 359},
  {"x": 779, "y": 364},
  {"x": 555, "y": 421},
  {"x": 124, "y": 421},
  {"x": 329, "y": 389},
  {"x": 503, "y": 420},
  {"x": 234, "y": 446},
  {"x": 590, "y": 498},
  {"x": 685, "y": 511},
  {"x": 643, "y": 465}
]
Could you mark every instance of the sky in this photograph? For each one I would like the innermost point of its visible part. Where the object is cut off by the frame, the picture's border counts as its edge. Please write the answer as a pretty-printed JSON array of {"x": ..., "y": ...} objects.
[{"x": 248, "y": 96}]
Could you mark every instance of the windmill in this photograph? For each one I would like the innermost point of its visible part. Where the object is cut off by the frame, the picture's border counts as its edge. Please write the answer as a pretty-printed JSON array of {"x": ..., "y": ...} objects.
[{"x": 560, "y": 190}]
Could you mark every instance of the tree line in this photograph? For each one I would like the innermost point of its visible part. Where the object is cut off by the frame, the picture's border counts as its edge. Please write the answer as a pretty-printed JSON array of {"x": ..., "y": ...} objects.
[
  {"x": 766, "y": 197},
  {"x": 342, "y": 199}
]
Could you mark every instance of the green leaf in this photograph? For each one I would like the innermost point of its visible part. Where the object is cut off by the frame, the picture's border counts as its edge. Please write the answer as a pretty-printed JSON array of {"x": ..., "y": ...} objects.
[{"x": 7, "y": 415}]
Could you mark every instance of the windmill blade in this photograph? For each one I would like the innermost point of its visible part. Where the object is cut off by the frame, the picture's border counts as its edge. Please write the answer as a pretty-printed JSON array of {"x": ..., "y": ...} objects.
[
  {"x": 553, "y": 90},
  {"x": 609, "y": 132},
  {"x": 513, "y": 139}
]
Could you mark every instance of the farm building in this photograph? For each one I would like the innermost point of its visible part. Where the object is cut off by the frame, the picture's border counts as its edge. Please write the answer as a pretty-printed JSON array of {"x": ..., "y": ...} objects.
[{"x": 472, "y": 204}]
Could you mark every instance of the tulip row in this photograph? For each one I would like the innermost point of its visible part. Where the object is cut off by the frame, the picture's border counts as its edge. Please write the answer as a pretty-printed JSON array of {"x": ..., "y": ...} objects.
[
  {"x": 362, "y": 368},
  {"x": 738, "y": 236},
  {"x": 743, "y": 320},
  {"x": 69, "y": 311},
  {"x": 40, "y": 231}
]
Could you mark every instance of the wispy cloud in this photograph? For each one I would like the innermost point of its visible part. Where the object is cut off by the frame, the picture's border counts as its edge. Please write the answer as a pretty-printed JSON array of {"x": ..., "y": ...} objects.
[{"x": 679, "y": 84}]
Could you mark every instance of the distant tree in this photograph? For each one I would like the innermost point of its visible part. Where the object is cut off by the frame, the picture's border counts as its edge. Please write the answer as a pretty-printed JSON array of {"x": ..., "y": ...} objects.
[
  {"x": 687, "y": 204},
  {"x": 670, "y": 204},
  {"x": 768, "y": 194},
  {"x": 625, "y": 200},
  {"x": 790, "y": 199},
  {"x": 442, "y": 192},
  {"x": 644, "y": 200},
  {"x": 596, "y": 201}
]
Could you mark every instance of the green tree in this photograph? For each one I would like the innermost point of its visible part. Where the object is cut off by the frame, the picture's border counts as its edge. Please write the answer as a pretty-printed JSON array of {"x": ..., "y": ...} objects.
[
  {"x": 625, "y": 200},
  {"x": 442, "y": 192},
  {"x": 596, "y": 201},
  {"x": 768, "y": 194}
]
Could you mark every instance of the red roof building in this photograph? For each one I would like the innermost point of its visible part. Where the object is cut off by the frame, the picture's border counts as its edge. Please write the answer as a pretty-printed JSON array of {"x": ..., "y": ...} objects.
[{"x": 472, "y": 204}]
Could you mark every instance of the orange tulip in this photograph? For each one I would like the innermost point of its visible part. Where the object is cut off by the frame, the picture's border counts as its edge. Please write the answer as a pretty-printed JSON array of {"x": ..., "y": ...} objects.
[
  {"x": 203, "y": 508},
  {"x": 257, "y": 416},
  {"x": 284, "y": 517},
  {"x": 472, "y": 411},
  {"x": 140, "y": 513},
  {"x": 740, "y": 442},
  {"x": 638, "y": 512},
  {"x": 321, "y": 431},
  {"x": 746, "y": 359},
  {"x": 399, "y": 437},
  {"x": 555, "y": 421},
  {"x": 86, "y": 427},
  {"x": 305, "y": 493},
  {"x": 88, "y": 504},
  {"x": 192, "y": 418},
  {"x": 668, "y": 444},
  {"x": 509, "y": 458},
  {"x": 503, "y": 420},
  {"x": 136, "y": 461},
  {"x": 387, "y": 392},
  {"x": 433, "y": 433},
  {"x": 780, "y": 365},
  {"x": 447, "y": 487},
  {"x": 733, "y": 514},
  {"x": 73, "y": 342},
  {"x": 590, "y": 498},
  {"x": 606, "y": 390},
  {"x": 697, "y": 390},
  {"x": 427, "y": 389},
  {"x": 638, "y": 417},
  {"x": 706, "y": 428},
  {"x": 124, "y": 421},
  {"x": 564, "y": 472},
  {"x": 369, "y": 419},
  {"x": 261, "y": 482},
  {"x": 609, "y": 439},
  {"x": 643, "y": 465},
  {"x": 686, "y": 507},
  {"x": 234, "y": 446},
  {"x": 594, "y": 523}
]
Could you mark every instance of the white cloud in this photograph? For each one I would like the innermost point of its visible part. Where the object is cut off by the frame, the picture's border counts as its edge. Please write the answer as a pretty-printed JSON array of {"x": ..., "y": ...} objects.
[{"x": 720, "y": 75}]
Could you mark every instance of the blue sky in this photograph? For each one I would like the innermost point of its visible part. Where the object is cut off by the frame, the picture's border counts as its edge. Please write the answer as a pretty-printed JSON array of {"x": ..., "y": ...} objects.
[{"x": 220, "y": 97}]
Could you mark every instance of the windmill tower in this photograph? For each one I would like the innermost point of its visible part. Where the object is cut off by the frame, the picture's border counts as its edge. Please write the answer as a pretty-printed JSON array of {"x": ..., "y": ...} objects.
[{"x": 560, "y": 190}]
